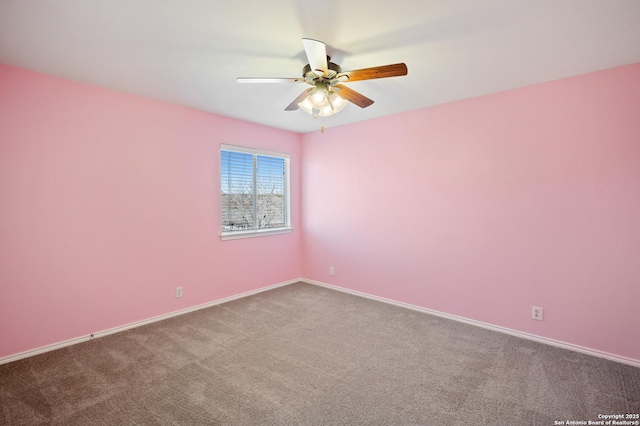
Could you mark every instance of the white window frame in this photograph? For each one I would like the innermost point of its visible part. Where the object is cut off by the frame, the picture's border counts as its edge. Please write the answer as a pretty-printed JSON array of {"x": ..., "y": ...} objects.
[{"x": 232, "y": 235}]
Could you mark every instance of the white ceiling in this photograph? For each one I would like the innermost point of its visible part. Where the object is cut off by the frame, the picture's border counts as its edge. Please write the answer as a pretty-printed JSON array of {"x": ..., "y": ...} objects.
[{"x": 189, "y": 52}]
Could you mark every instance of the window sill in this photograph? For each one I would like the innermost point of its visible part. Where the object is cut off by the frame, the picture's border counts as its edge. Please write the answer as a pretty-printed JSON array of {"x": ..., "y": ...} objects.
[{"x": 251, "y": 234}]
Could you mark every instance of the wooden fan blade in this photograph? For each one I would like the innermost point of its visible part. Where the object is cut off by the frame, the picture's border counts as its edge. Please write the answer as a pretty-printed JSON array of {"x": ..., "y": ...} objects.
[
  {"x": 294, "y": 105},
  {"x": 269, "y": 80},
  {"x": 384, "y": 71},
  {"x": 353, "y": 96},
  {"x": 316, "y": 54}
]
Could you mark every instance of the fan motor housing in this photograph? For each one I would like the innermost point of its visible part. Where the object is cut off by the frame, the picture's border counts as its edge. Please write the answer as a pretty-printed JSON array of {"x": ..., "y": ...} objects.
[{"x": 332, "y": 72}]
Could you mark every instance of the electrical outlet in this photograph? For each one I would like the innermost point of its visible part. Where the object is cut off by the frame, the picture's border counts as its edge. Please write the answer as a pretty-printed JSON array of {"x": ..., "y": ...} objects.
[
  {"x": 332, "y": 271},
  {"x": 536, "y": 313},
  {"x": 178, "y": 291}
]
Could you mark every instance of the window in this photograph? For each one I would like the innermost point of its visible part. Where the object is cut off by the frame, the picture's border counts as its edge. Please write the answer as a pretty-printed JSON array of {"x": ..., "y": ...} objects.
[{"x": 254, "y": 187}]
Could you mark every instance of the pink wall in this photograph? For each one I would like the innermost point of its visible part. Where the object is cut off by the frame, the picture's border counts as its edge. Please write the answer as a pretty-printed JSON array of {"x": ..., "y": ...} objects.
[
  {"x": 110, "y": 201},
  {"x": 484, "y": 207},
  {"x": 478, "y": 208}
]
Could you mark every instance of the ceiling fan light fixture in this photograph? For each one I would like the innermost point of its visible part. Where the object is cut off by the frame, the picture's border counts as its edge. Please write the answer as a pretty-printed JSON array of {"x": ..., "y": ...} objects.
[{"x": 323, "y": 103}]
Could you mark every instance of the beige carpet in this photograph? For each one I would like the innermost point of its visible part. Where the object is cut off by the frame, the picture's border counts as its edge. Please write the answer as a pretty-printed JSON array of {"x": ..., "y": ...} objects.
[{"x": 306, "y": 355}]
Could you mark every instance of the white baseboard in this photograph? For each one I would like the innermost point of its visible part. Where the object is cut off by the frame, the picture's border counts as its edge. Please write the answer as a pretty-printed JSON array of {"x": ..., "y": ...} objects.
[
  {"x": 539, "y": 339},
  {"x": 544, "y": 340},
  {"x": 114, "y": 330}
]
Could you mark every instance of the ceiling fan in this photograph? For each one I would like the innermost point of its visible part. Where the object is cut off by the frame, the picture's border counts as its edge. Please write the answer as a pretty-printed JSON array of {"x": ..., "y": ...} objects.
[{"x": 328, "y": 95}]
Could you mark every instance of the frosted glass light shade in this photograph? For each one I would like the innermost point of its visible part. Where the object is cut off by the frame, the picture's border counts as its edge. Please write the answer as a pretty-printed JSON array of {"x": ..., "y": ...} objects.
[{"x": 319, "y": 100}]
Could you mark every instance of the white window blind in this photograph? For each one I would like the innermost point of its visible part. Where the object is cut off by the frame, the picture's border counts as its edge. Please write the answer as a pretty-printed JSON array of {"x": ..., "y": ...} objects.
[{"x": 255, "y": 192}]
